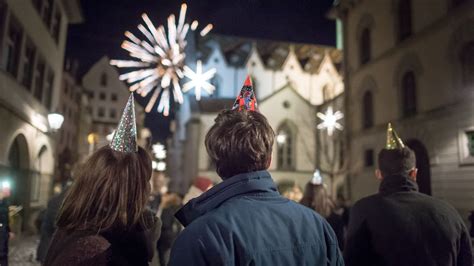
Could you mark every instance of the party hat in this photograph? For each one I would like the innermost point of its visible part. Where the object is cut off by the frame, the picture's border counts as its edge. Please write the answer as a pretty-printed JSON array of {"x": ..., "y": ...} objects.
[
  {"x": 317, "y": 178},
  {"x": 125, "y": 136},
  {"x": 393, "y": 141},
  {"x": 246, "y": 99}
]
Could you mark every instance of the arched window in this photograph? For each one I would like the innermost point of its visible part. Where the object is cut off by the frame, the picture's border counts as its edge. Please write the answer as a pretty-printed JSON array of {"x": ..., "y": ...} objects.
[
  {"x": 404, "y": 19},
  {"x": 365, "y": 46},
  {"x": 408, "y": 90},
  {"x": 326, "y": 93},
  {"x": 367, "y": 110},
  {"x": 103, "y": 80},
  {"x": 467, "y": 64},
  {"x": 285, "y": 148}
]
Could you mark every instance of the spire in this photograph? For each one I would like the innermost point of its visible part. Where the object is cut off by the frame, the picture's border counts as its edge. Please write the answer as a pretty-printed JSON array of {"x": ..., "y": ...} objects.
[
  {"x": 125, "y": 136},
  {"x": 246, "y": 99},
  {"x": 393, "y": 141}
]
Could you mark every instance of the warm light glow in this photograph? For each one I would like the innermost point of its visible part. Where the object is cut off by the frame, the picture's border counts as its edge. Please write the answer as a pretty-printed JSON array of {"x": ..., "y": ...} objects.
[
  {"x": 281, "y": 138},
  {"x": 55, "y": 121},
  {"x": 329, "y": 120},
  {"x": 160, "y": 54},
  {"x": 92, "y": 138},
  {"x": 198, "y": 80}
]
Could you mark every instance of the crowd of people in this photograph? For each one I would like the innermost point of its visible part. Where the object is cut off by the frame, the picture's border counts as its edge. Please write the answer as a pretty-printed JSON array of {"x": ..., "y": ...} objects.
[{"x": 109, "y": 217}]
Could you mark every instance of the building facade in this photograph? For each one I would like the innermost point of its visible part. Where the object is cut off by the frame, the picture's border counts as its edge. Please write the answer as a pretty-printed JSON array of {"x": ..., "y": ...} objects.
[
  {"x": 411, "y": 62},
  {"x": 107, "y": 98},
  {"x": 33, "y": 39},
  {"x": 289, "y": 80},
  {"x": 72, "y": 145}
]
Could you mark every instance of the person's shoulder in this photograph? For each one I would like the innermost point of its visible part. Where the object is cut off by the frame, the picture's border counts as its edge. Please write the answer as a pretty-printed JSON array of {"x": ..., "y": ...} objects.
[{"x": 76, "y": 248}]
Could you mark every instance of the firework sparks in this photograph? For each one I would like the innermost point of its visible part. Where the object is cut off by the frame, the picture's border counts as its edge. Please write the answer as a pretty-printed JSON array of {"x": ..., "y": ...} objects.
[
  {"x": 329, "y": 120},
  {"x": 198, "y": 80},
  {"x": 159, "y": 62}
]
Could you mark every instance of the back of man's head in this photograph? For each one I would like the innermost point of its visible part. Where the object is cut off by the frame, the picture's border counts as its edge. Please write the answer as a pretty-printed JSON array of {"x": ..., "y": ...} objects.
[
  {"x": 396, "y": 161},
  {"x": 240, "y": 142}
]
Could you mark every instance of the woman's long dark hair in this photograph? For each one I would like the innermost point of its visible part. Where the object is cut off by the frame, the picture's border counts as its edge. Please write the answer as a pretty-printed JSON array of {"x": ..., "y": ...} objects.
[
  {"x": 317, "y": 198},
  {"x": 110, "y": 190}
]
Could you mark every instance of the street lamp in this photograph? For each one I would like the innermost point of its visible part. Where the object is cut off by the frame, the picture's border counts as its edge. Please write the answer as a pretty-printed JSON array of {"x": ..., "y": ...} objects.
[
  {"x": 55, "y": 121},
  {"x": 281, "y": 138}
]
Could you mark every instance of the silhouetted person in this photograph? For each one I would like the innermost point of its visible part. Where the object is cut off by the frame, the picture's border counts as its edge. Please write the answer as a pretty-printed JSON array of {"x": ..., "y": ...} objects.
[
  {"x": 4, "y": 230},
  {"x": 400, "y": 226},
  {"x": 316, "y": 197}
]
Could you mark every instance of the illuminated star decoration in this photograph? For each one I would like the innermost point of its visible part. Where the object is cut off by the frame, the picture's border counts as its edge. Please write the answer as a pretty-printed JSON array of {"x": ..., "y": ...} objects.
[
  {"x": 329, "y": 120},
  {"x": 199, "y": 80},
  {"x": 159, "y": 60}
]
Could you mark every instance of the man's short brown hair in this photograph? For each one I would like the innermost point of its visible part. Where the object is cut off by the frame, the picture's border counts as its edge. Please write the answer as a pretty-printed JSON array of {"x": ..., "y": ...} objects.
[{"x": 240, "y": 142}]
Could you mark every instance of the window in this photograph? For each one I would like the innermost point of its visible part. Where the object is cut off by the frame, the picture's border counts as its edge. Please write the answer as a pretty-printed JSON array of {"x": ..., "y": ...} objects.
[
  {"x": 369, "y": 158},
  {"x": 326, "y": 93},
  {"x": 28, "y": 65},
  {"x": 408, "y": 94},
  {"x": 404, "y": 19},
  {"x": 285, "y": 142},
  {"x": 103, "y": 80},
  {"x": 113, "y": 97},
  {"x": 39, "y": 79},
  {"x": 470, "y": 142},
  {"x": 12, "y": 49},
  {"x": 47, "y": 12},
  {"x": 102, "y": 96},
  {"x": 91, "y": 95},
  {"x": 365, "y": 46},
  {"x": 56, "y": 26},
  {"x": 48, "y": 92},
  {"x": 467, "y": 64},
  {"x": 368, "y": 110},
  {"x": 101, "y": 112},
  {"x": 113, "y": 113},
  {"x": 37, "y": 5}
]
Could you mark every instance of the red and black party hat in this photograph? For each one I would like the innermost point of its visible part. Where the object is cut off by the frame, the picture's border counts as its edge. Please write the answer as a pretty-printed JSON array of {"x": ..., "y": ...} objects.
[{"x": 246, "y": 99}]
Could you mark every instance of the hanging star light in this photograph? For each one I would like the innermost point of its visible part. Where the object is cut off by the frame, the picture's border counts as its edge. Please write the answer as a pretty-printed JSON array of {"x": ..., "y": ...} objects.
[
  {"x": 199, "y": 80},
  {"x": 159, "y": 62},
  {"x": 329, "y": 120}
]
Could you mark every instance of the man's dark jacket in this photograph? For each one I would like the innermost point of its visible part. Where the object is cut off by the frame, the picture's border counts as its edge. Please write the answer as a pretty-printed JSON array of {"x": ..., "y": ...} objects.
[
  {"x": 245, "y": 221},
  {"x": 4, "y": 229},
  {"x": 400, "y": 226}
]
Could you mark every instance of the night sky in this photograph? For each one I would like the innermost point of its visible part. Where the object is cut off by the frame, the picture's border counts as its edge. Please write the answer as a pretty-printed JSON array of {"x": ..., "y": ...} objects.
[
  {"x": 285, "y": 20},
  {"x": 106, "y": 21}
]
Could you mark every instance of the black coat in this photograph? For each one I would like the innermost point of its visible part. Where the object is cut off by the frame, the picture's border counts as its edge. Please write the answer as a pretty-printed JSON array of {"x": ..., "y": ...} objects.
[
  {"x": 115, "y": 247},
  {"x": 4, "y": 229},
  {"x": 400, "y": 226},
  {"x": 245, "y": 221}
]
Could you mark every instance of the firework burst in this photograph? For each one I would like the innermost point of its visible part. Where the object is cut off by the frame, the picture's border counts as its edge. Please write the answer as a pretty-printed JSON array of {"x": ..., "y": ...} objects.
[{"x": 158, "y": 63}]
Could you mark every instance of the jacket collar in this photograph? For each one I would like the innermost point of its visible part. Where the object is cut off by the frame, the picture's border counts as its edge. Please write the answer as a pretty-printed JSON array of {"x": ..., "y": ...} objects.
[
  {"x": 397, "y": 183},
  {"x": 247, "y": 183}
]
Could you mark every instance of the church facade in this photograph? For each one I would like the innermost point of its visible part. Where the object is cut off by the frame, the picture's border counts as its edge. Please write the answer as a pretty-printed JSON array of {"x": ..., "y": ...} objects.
[{"x": 290, "y": 81}]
